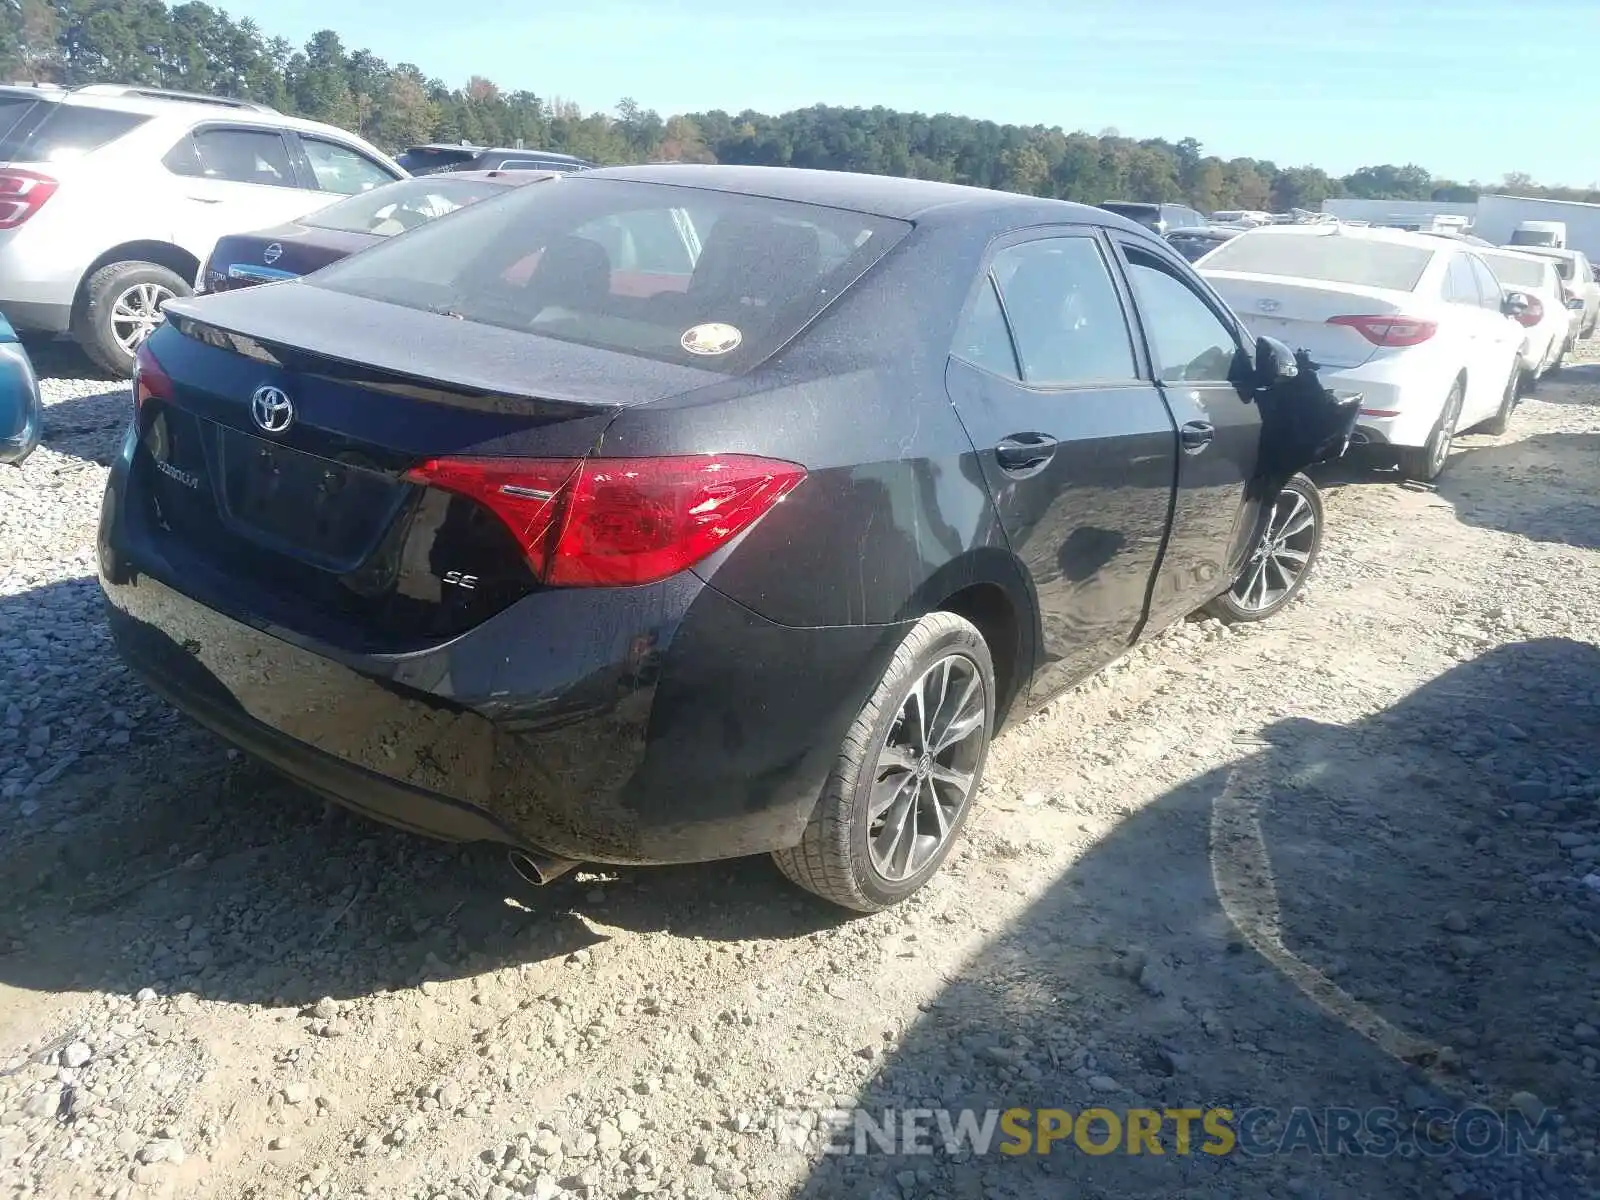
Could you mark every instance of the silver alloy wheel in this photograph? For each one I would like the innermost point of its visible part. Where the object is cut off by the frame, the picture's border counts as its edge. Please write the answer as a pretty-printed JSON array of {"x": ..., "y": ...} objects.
[
  {"x": 1439, "y": 449},
  {"x": 1281, "y": 556},
  {"x": 137, "y": 312},
  {"x": 923, "y": 778}
]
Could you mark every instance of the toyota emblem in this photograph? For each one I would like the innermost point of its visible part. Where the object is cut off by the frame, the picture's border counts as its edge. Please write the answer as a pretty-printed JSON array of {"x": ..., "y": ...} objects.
[
  {"x": 1268, "y": 305},
  {"x": 271, "y": 409},
  {"x": 272, "y": 253}
]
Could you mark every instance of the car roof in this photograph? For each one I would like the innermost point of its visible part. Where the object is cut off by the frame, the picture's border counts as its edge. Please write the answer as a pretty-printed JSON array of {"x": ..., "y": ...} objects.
[{"x": 876, "y": 195}]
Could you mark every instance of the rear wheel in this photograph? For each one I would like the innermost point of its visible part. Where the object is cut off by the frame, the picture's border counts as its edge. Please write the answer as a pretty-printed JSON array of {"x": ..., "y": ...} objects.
[
  {"x": 122, "y": 306},
  {"x": 1521, "y": 381},
  {"x": 1282, "y": 560},
  {"x": 906, "y": 775},
  {"x": 1425, "y": 462}
]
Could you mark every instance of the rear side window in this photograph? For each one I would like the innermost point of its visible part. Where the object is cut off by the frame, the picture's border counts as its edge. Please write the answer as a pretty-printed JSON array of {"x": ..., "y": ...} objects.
[
  {"x": 983, "y": 339},
  {"x": 1489, "y": 295},
  {"x": 1460, "y": 285},
  {"x": 1064, "y": 312},
  {"x": 711, "y": 279},
  {"x": 1332, "y": 257},
  {"x": 233, "y": 155},
  {"x": 66, "y": 131}
]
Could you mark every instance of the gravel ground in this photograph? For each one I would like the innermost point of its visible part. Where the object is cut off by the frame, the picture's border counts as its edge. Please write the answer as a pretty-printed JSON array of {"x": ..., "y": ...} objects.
[{"x": 1347, "y": 859}]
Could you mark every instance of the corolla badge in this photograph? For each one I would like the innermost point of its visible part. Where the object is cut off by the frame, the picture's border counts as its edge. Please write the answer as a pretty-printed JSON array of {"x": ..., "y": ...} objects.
[
  {"x": 272, "y": 253},
  {"x": 1269, "y": 305},
  {"x": 271, "y": 409}
]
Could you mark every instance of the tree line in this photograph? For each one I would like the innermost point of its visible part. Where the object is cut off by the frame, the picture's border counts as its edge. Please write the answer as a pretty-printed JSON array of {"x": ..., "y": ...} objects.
[{"x": 195, "y": 47}]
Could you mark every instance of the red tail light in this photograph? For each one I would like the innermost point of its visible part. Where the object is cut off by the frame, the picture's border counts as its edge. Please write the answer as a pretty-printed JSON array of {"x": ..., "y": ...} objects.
[
  {"x": 1533, "y": 314},
  {"x": 22, "y": 193},
  {"x": 614, "y": 521},
  {"x": 149, "y": 379},
  {"x": 1390, "y": 331}
]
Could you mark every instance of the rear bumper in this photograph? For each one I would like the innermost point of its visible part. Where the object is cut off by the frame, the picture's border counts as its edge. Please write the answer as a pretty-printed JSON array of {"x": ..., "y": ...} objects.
[
  {"x": 1399, "y": 406},
  {"x": 37, "y": 285},
  {"x": 657, "y": 724}
]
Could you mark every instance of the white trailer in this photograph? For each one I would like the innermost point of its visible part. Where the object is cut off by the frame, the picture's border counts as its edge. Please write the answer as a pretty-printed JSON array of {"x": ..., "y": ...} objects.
[{"x": 1499, "y": 216}]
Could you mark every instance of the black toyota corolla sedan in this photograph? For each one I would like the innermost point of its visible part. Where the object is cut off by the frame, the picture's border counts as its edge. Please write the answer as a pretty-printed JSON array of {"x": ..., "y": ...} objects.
[
  {"x": 241, "y": 260},
  {"x": 667, "y": 514}
]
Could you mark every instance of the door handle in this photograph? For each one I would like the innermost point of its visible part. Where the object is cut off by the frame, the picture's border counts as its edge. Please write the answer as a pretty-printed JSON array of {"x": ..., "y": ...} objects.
[
  {"x": 1196, "y": 436},
  {"x": 1024, "y": 451},
  {"x": 205, "y": 199}
]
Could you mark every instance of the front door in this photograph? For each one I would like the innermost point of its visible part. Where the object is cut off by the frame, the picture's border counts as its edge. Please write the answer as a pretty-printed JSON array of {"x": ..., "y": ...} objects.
[
  {"x": 1076, "y": 448},
  {"x": 1203, "y": 372}
]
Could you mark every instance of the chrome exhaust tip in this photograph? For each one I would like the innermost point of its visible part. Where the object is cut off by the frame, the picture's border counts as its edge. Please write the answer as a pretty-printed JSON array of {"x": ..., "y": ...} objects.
[{"x": 539, "y": 869}]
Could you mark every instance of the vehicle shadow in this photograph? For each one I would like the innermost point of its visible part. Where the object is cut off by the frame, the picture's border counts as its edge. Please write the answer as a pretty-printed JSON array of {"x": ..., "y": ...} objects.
[
  {"x": 1369, "y": 916},
  {"x": 1538, "y": 487},
  {"x": 137, "y": 850}
]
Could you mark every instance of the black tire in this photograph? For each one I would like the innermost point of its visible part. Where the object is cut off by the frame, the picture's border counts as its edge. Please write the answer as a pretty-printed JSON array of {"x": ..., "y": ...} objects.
[
  {"x": 1235, "y": 605},
  {"x": 1424, "y": 463},
  {"x": 1521, "y": 382},
  {"x": 93, "y": 326},
  {"x": 833, "y": 859}
]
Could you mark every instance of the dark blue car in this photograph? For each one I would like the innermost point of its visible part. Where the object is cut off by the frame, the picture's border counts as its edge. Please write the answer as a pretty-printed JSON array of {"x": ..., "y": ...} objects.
[{"x": 20, "y": 413}]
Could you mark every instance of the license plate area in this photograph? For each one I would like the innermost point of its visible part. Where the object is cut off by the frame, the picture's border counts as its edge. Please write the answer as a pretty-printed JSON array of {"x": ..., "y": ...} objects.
[{"x": 321, "y": 510}]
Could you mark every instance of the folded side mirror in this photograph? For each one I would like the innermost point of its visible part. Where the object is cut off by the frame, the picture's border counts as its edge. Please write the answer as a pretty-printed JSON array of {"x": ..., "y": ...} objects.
[
  {"x": 1515, "y": 304},
  {"x": 1275, "y": 362}
]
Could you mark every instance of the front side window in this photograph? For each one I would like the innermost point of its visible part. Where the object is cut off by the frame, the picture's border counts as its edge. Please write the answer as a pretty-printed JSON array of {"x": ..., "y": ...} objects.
[
  {"x": 233, "y": 155},
  {"x": 1064, "y": 313},
  {"x": 1191, "y": 344},
  {"x": 340, "y": 169},
  {"x": 712, "y": 279}
]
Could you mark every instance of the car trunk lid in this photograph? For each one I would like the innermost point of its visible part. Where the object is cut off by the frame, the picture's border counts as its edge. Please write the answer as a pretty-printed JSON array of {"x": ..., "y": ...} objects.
[
  {"x": 1299, "y": 312},
  {"x": 278, "y": 456},
  {"x": 289, "y": 251}
]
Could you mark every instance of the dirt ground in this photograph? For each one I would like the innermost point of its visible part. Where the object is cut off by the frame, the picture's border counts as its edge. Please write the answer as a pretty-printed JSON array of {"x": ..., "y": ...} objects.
[{"x": 1346, "y": 859}]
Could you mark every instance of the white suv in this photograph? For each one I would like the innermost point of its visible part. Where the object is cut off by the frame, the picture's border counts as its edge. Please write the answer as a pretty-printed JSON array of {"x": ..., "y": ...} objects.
[{"x": 111, "y": 197}]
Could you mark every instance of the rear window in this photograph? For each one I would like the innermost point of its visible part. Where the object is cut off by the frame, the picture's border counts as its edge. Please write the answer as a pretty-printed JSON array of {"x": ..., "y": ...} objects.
[
  {"x": 420, "y": 162},
  {"x": 58, "y": 132},
  {"x": 1136, "y": 212},
  {"x": 1518, "y": 272},
  {"x": 1362, "y": 262},
  {"x": 711, "y": 279},
  {"x": 401, "y": 206}
]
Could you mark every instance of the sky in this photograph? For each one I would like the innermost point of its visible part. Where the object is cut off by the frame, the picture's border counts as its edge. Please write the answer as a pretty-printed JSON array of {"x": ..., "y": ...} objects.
[{"x": 1469, "y": 89}]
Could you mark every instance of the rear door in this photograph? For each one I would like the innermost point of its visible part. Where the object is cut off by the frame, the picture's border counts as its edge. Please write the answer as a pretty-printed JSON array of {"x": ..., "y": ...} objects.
[
  {"x": 1073, "y": 439},
  {"x": 232, "y": 179},
  {"x": 1202, "y": 370}
]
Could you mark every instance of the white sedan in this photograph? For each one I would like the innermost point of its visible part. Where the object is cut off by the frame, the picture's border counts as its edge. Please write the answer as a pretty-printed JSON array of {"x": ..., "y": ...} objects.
[
  {"x": 1415, "y": 323},
  {"x": 1551, "y": 320}
]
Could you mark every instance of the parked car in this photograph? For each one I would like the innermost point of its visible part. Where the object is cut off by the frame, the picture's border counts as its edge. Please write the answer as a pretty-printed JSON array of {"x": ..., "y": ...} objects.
[
  {"x": 1160, "y": 219},
  {"x": 327, "y": 235},
  {"x": 111, "y": 197},
  {"x": 636, "y": 518},
  {"x": 21, "y": 411},
  {"x": 1417, "y": 323},
  {"x": 1195, "y": 243},
  {"x": 1241, "y": 216},
  {"x": 443, "y": 156},
  {"x": 1577, "y": 277},
  {"x": 1549, "y": 316}
]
